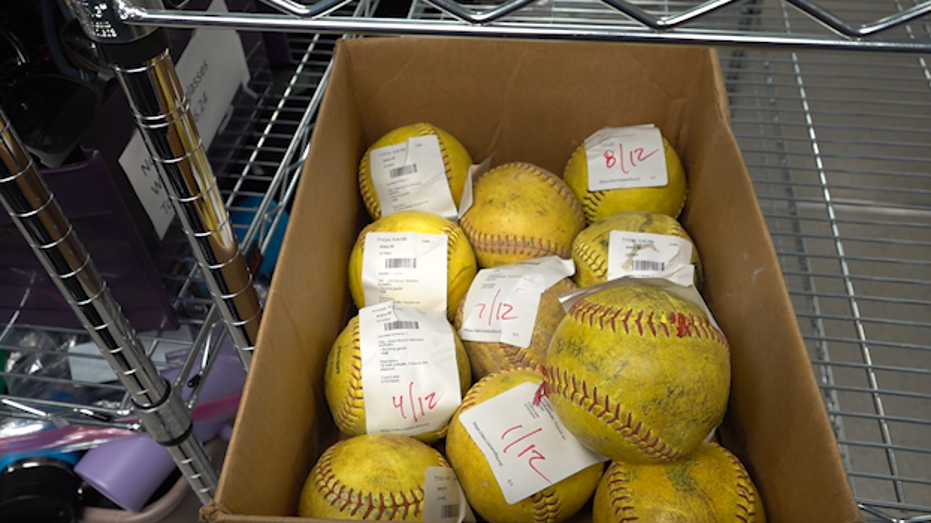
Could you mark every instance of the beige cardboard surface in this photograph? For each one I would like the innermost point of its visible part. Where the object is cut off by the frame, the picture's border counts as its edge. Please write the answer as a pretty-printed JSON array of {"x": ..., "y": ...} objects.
[{"x": 532, "y": 102}]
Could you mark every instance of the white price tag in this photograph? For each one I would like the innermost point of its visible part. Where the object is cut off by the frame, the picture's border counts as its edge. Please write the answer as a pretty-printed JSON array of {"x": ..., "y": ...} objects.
[
  {"x": 475, "y": 171},
  {"x": 443, "y": 499},
  {"x": 411, "y": 176},
  {"x": 211, "y": 70},
  {"x": 502, "y": 302},
  {"x": 648, "y": 255},
  {"x": 406, "y": 267},
  {"x": 526, "y": 445},
  {"x": 625, "y": 158},
  {"x": 410, "y": 375}
]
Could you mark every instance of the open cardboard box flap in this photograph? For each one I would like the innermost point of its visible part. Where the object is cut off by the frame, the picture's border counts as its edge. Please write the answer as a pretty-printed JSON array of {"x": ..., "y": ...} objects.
[{"x": 536, "y": 102}]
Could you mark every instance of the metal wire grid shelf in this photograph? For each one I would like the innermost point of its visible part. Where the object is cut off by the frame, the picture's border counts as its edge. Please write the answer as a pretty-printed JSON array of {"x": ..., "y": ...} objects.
[{"x": 266, "y": 168}]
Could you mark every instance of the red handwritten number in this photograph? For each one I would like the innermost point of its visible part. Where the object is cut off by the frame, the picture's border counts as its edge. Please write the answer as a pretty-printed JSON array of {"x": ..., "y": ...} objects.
[
  {"x": 610, "y": 160},
  {"x": 419, "y": 405},
  {"x": 534, "y": 454},
  {"x": 633, "y": 158},
  {"x": 501, "y": 311}
]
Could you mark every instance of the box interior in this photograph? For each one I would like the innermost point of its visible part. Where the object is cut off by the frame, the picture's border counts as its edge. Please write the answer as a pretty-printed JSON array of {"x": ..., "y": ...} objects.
[{"x": 521, "y": 101}]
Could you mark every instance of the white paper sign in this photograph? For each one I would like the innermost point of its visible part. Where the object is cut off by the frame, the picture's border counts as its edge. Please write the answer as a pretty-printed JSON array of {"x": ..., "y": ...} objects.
[
  {"x": 625, "y": 158},
  {"x": 502, "y": 302},
  {"x": 411, "y": 176},
  {"x": 647, "y": 255},
  {"x": 406, "y": 267},
  {"x": 526, "y": 445},
  {"x": 211, "y": 69},
  {"x": 443, "y": 499},
  {"x": 410, "y": 375}
]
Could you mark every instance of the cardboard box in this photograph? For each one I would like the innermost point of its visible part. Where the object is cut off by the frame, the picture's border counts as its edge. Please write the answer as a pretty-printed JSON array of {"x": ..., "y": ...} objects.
[{"x": 536, "y": 102}]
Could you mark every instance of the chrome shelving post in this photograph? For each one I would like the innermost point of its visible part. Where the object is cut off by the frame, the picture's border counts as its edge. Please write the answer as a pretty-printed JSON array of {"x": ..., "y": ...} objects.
[
  {"x": 36, "y": 213},
  {"x": 141, "y": 62}
]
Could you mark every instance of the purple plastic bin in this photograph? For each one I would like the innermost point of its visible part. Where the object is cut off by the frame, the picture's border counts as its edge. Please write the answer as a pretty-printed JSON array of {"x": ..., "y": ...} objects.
[{"x": 87, "y": 195}]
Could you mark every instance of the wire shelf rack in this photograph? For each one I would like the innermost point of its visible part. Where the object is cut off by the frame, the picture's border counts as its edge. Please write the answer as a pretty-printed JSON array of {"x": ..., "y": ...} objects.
[
  {"x": 262, "y": 172},
  {"x": 836, "y": 145}
]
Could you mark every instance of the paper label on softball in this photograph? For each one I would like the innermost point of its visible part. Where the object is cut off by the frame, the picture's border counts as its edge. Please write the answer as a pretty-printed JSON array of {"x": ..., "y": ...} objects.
[
  {"x": 626, "y": 158},
  {"x": 406, "y": 267},
  {"x": 410, "y": 375},
  {"x": 411, "y": 176},
  {"x": 526, "y": 445},
  {"x": 502, "y": 302},
  {"x": 443, "y": 499},
  {"x": 475, "y": 171},
  {"x": 648, "y": 255}
]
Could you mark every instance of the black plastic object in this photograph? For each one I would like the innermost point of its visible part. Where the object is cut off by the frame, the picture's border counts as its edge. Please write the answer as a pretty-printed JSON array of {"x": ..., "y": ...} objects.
[
  {"x": 39, "y": 490},
  {"x": 50, "y": 113}
]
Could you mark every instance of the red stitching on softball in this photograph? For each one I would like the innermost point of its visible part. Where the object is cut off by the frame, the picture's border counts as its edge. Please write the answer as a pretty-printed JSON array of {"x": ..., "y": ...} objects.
[
  {"x": 596, "y": 263},
  {"x": 591, "y": 313},
  {"x": 567, "y": 385},
  {"x": 511, "y": 244},
  {"x": 348, "y": 413},
  {"x": 343, "y": 497},
  {"x": 618, "y": 494},
  {"x": 546, "y": 506},
  {"x": 746, "y": 512}
]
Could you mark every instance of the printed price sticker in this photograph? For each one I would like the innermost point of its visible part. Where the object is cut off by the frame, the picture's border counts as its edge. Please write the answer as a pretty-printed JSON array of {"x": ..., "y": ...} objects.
[
  {"x": 502, "y": 302},
  {"x": 626, "y": 158},
  {"x": 411, "y": 176},
  {"x": 405, "y": 267},
  {"x": 443, "y": 500},
  {"x": 647, "y": 255},
  {"x": 526, "y": 445},
  {"x": 410, "y": 376},
  {"x": 211, "y": 69}
]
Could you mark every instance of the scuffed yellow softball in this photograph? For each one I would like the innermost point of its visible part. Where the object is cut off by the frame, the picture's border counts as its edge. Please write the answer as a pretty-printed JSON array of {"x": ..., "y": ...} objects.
[
  {"x": 669, "y": 199},
  {"x": 710, "y": 485},
  {"x": 521, "y": 211},
  {"x": 638, "y": 374}
]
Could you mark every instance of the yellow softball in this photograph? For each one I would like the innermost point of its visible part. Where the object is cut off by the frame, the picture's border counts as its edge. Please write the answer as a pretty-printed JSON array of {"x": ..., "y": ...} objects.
[
  {"x": 638, "y": 374},
  {"x": 377, "y": 477},
  {"x": 521, "y": 211},
  {"x": 342, "y": 382},
  {"x": 490, "y": 356},
  {"x": 669, "y": 199},
  {"x": 710, "y": 485},
  {"x": 590, "y": 247},
  {"x": 456, "y": 160},
  {"x": 552, "y": 505},
  {"x": 461, "y": 266}
]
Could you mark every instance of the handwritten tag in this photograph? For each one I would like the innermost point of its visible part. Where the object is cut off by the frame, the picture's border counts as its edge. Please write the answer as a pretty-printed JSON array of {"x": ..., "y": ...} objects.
[
  {"x": 526, "y": 445},
  {"x": 411, "y": 176},
  {"x": 626, "y": 158},
  {"x": 211, "y": 70},
  {"x": 410, "y": 376},
  {"x": 647, "y": 255},
  {"x": 443, "y": 499},
  {"x": 405, "y": 267},
  {"x": 502, "y": 302}
]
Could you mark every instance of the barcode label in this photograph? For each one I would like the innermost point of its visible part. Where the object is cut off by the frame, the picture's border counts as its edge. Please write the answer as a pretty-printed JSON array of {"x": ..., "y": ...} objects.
[
  {"x": 403, "y": 170},
  {"x": 649, "y": 265},
  {"x": 400, "y": 263},
  {"x": 449, "y": 511},
  {"x": 400, "y": 324}
]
